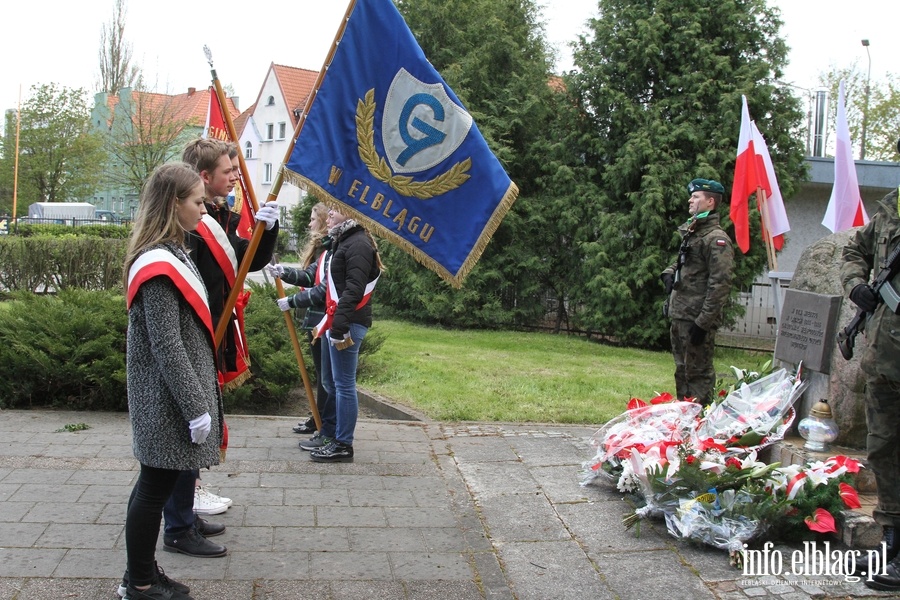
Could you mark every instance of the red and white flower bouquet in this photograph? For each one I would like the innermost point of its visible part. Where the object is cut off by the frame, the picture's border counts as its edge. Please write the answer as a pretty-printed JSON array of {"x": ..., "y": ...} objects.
[{"x": 700, "y": 472}]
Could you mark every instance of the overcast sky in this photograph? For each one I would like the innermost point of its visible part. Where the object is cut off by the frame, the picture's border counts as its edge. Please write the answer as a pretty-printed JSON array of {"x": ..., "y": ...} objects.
[{"x": 44, "y": 41}]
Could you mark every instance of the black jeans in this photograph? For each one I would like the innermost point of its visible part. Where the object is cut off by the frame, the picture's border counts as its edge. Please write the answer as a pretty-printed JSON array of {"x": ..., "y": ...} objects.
[{"x": 153, "y": 488}]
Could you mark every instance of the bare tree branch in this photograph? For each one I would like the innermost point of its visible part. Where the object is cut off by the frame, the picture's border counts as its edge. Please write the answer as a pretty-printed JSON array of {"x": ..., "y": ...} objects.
[{"x": 116, "y": 68}]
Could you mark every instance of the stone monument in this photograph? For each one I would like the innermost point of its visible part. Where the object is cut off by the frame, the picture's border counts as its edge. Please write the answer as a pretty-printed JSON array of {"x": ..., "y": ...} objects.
[{"x": 804, "y": 331}]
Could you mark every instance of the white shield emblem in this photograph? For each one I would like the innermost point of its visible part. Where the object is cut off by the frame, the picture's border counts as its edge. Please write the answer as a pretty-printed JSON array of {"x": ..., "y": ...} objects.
[{"x": 421, "y": 125}]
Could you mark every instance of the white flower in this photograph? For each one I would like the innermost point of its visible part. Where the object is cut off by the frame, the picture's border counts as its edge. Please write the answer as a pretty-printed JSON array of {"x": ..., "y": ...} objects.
[
  {"x": 750, "y": 462},
  {"x": 627, "y": 482},
  {"x": 782, "y": 476}
]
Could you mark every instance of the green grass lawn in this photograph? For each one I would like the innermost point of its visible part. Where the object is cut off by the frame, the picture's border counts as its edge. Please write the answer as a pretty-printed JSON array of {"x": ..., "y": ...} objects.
[{"x": 453, "y": 375}]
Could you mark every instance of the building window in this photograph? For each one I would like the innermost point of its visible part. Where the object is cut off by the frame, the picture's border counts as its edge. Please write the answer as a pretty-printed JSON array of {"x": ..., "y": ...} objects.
[
  {"x": 270, "y": 101},
  {"x": 267, "y": 176},
  {"x": 282, "y": 128},
  {"x": 270, "y": 131},
  {"x": 248, "y": 153}
]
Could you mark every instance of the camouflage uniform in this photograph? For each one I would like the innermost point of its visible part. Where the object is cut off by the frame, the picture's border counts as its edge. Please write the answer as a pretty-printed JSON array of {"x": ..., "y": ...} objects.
[
  {"x": 702, "y": 286},
  {"x": 880, "y": 361}
]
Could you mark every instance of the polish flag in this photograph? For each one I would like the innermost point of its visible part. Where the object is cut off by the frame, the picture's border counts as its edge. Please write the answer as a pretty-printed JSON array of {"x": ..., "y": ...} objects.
[
  {"x": 778, "y": 222},
  {"x": 845, "y": 207},
  {"x": 745, "y": 181}
]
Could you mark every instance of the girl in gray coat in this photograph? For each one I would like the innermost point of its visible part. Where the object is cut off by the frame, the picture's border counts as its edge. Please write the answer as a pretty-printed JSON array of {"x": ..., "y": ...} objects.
[{"x": 173, "y": 393}]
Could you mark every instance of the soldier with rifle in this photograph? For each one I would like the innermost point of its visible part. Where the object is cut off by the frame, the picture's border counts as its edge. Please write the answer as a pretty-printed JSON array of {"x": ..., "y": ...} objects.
[{"x": 875, "y": 246}]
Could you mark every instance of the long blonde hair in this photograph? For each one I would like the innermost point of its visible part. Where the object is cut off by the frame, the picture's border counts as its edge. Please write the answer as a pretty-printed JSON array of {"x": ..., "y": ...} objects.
[
  {"x": 156, "y": 221},
  {"x": 314, "y": 242}
]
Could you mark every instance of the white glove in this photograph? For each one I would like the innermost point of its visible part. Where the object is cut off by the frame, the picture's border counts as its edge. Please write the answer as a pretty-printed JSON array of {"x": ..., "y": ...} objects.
[
  {"x": 275, "y": 270},
  {"x": 283, "y": 304},
  {"x": 268, "y": 214},
  {"x": 200, "y": 428}
]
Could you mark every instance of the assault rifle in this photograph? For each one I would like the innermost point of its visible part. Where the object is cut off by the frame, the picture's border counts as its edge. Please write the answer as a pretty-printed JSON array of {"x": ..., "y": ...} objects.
[{"x": 891, "y": 266}]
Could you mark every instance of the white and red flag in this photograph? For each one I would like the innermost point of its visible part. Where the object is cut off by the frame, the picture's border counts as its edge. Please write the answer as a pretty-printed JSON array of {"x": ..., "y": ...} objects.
[
  {"x": 746, "y": 181},
  {"x": 777, "y": 224},
  {"x": 754, "y": 172},
  {"x": 845, "y": 207}
]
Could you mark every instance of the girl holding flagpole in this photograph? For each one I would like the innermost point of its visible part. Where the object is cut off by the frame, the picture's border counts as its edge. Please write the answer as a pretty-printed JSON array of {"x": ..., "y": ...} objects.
[
  {"x": 311, "y": 297},
  {"x": 348, "y": 276},
  {"x": 353, "y": 269},
  {"x": 174, "y": 399}
]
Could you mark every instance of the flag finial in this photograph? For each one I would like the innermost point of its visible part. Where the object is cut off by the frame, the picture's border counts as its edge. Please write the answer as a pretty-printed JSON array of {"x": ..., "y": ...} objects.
[{"x": 208, "y": 54}]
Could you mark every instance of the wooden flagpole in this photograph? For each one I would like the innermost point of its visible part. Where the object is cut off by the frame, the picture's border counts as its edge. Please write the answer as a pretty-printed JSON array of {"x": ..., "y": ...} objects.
[
  {"x": 761, "y": 202},
  {"x": 259, "y": 228}
]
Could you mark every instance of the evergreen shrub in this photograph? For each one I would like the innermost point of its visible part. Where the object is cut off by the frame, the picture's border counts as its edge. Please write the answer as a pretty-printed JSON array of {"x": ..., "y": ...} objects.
[
  {"x": 63, "y": 351},
  {"x": 54, "y": 263},
  {"x": 93, "y": 230},
  {"x": 67, "y": 350}
]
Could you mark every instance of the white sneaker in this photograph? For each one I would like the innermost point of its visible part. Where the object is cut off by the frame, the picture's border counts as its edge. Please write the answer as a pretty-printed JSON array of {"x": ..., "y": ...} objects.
[
  {"x": 213, "y": 498},
  {"x": 208, "y": 504}
]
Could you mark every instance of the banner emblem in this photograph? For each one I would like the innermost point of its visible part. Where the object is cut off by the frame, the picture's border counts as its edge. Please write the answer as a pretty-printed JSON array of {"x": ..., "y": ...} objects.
[
  {"x": 421, "y": 125},
  {"x": 447, "y": 181}
]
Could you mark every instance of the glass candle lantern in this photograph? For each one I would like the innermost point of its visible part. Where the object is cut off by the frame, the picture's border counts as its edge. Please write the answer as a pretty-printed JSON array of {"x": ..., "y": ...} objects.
[{"x": 818, "y": 428}]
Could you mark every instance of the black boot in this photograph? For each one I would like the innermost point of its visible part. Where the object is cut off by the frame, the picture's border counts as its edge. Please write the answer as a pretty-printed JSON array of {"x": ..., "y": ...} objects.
[
  {"x": 890, "y": 582},
  {"x": 193, "y": 544},
  {"x": 889, "y": 538},
  {"x": 207, "y": 529}
]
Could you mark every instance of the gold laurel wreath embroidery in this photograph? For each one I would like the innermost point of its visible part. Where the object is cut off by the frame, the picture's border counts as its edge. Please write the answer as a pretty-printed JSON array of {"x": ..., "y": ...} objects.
[{"x": 378, "y": 167}]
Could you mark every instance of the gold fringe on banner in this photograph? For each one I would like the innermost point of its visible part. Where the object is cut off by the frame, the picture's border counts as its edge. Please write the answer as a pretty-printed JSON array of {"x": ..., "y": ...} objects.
[
  {"x": 237, "y": 381},
  {"x": 454, "y": 279}
]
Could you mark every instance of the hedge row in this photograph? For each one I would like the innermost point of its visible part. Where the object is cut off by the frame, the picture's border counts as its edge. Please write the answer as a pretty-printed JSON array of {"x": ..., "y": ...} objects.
[
  {"x": 55, "y": 263},
  {"x": 68, "y": 351},
  {"x": 90, "y": 230}
]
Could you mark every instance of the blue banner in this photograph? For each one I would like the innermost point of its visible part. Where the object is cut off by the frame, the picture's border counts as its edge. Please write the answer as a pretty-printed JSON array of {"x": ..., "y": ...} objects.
[{"x": 389, "y": 143}]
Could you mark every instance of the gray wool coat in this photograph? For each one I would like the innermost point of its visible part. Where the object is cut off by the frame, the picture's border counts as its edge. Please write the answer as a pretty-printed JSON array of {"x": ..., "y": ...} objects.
[{"x": 171, "y": 376}]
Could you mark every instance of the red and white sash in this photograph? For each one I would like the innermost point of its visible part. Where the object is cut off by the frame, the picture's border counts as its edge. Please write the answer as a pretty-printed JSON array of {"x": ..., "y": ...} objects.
[
  {"x": 332, "y": 299},
  {"x": 223, "y": 253},
  {"x": 220, "y": 247},
  {"x": 160, "y": 262}
]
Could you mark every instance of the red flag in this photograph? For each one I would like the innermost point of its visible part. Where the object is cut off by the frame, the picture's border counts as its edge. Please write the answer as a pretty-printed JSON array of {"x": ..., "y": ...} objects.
[
  {"x": 216, "y": 129},
  {"x": 845, "y": 207},
  {"x": 746, "y": 181}
]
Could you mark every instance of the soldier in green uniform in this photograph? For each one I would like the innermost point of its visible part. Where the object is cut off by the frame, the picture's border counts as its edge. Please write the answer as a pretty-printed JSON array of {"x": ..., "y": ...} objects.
[
  {"x": 698, "y": 284},
  {"x": 865, "y": 253}
]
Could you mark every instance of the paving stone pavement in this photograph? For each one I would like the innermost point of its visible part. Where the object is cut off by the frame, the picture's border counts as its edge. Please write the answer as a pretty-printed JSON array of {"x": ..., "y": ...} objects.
[{"x": 454, "y": 511}]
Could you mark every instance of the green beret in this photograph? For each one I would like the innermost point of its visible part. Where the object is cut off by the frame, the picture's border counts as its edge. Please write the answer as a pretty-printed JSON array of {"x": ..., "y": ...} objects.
[{"x": 705, "y": 185}]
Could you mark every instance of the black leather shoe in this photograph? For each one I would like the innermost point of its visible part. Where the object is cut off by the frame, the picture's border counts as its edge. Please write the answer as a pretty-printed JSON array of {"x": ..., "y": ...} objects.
[
  {"x": 889, "y": 537},
  {"x": 207, "y": 529},
  {"x": 334, "y": 451},
  {"x": 890, "y": 582},
  {"x": 194, "y": 544},
  {"x": 309, "y": 426}
]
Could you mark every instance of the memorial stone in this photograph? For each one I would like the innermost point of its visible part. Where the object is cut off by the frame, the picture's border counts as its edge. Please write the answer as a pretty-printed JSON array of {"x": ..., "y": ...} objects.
[
  {"x": 839, "y": 380},
  {"x": 806, "y": 329}
]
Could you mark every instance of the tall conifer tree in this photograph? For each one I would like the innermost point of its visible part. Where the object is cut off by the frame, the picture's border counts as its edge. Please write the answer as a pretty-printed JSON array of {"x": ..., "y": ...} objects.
[{"x": 659, "y": 83}]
